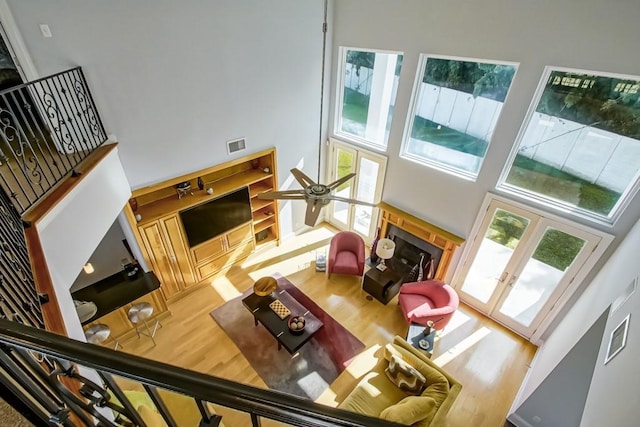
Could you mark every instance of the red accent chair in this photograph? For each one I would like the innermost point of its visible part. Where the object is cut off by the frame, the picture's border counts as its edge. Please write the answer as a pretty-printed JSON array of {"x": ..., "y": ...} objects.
[
  {"x": 346, "y": 254},
  {"x": 428, "y": 300}
]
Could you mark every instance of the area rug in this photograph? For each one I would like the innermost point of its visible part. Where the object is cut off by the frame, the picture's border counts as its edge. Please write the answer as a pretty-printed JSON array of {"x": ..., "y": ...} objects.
[{"x": 307, "y": 373}]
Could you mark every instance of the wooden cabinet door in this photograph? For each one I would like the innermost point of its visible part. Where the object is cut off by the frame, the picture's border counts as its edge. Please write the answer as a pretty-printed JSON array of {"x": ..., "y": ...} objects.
[
  {"x": 235, "y": 237},
  {"x": 161, "y": 258},
  {"x": 177, "y": 245}
]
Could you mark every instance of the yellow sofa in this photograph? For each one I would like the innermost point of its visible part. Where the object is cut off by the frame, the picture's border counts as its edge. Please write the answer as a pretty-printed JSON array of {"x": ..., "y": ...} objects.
[
  {"x": 182, "y": 408},
  {"x": 377, "y": 396}
]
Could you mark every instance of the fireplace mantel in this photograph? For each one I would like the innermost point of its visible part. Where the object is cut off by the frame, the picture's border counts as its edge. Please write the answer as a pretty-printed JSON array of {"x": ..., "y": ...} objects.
[{"x": 423, "y": 230}]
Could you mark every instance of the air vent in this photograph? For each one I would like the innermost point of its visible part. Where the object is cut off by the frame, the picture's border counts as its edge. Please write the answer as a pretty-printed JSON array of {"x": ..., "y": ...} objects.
[{"x": 236, "y": 145}]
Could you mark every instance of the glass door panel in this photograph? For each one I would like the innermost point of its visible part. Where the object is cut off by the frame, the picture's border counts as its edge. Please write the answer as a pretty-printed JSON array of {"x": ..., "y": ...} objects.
[
  {"x": 520, "y": 263},
  {"x": 369, "y": 168},
  {"x": 554, "y": 255},
  {"x": 502, "y": 236},
  {"x": 345, "y": 161},
  {"x": 367, "y": 181}
]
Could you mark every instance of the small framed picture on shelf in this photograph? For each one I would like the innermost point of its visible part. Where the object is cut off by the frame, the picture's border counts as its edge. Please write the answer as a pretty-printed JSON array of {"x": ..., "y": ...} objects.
[{"x": 618, "y": 339}]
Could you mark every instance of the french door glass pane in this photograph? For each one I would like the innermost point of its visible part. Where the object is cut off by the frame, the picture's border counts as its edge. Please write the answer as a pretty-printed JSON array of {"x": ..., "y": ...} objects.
[
  {"x": 369, "y": 91},
  {"x": 581, "y": 145},
  {"x": 456, "y": 110},
  {"x": 499, "y": 242},
  {"x": 554, "y": 254},
  {"x": 367, "y": 182},
  {"x": 345, "y": 165}
]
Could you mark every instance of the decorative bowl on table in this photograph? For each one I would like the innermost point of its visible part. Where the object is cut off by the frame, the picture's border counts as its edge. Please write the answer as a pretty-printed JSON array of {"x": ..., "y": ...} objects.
[{"x": 296, "y": 324}]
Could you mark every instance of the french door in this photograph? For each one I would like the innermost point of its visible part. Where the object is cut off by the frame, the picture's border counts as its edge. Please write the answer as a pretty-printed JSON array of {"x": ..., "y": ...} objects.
[
  {"x": 520, "y": 263},
  {"x": 366, "y": 186}
]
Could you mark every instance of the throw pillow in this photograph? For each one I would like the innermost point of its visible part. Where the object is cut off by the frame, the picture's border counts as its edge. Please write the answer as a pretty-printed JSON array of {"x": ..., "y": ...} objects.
[
  {"x": 404, "y": 376},
  {"x": 410, "y": 410}
]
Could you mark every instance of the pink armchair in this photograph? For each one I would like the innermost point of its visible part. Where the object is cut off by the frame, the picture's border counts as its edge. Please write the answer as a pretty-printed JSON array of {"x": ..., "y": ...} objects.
[
  {"x": 428, "y": 300},
  {"x": 346, "y": 254}
]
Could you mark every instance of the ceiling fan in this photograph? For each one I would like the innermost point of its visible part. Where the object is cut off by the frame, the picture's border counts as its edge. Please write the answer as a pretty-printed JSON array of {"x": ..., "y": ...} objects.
[{"x": 316, "y": 195}]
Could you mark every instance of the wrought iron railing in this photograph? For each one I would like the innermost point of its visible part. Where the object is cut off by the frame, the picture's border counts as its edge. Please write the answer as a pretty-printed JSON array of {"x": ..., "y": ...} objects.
[
  {"x": 39, "y": 365},
  {"x": 47, "y": 127},
  {"x": 18, "y": 297}
]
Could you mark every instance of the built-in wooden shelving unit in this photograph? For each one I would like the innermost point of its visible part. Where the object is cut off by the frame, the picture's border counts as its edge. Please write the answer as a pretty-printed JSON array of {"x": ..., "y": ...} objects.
[{"x": 154, "y": 213}]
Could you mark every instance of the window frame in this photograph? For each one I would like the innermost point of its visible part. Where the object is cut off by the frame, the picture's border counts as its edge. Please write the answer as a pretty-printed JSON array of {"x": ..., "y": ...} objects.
[
  {"x": 411, "y": 114},
  {"x": 340, "y": 81},
  {"x": 558, "y": 205}
]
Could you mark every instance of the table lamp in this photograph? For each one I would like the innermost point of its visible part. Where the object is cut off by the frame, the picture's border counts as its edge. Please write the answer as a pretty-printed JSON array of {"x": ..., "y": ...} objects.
[{"x": 385, "y": 250}]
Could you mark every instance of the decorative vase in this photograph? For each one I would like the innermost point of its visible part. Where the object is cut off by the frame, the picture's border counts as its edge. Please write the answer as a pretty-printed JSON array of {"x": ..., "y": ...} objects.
[
  {"x": 429, "y": 270},
  {"x": 416, "y": 273},
  {"x": 373, "y": 256},
  {"x": 420, "y": 268}
]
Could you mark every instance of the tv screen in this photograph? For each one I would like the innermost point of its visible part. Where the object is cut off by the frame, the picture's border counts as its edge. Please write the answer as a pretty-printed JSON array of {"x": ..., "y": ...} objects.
[{"x": 217, "y": 216}]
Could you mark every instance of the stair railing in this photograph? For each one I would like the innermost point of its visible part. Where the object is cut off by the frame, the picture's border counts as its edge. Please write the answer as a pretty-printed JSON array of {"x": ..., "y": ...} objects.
[
  {"x": 36, "y": 364},
  {"x": 47, "y": 127}
]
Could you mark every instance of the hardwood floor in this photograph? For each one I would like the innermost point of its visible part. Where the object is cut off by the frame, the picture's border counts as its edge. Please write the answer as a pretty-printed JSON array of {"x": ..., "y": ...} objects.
[{"x": 489, "y": 360}]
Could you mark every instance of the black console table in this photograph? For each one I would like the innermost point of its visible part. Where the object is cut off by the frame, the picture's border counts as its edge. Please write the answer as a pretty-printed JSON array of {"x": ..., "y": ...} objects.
[{"x": 382, "y": 285}]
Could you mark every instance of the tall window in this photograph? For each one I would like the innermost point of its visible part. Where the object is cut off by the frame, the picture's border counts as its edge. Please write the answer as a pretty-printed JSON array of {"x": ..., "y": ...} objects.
[
  {"x": 579, "y": 148},
  {"x": 455, "y": 107},
  {"x": 366, "y": 95}
]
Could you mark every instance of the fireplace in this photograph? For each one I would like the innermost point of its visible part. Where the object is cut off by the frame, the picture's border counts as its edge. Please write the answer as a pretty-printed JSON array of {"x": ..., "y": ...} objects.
[
  {"x": 409, "y": 248},
  {"x": 414, "y": 236}
]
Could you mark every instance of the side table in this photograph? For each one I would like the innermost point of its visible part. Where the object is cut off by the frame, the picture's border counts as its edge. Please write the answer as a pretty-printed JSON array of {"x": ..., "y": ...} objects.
[
  {"x": 416, "y": 333},
  {"x": 382, "y": 285}
]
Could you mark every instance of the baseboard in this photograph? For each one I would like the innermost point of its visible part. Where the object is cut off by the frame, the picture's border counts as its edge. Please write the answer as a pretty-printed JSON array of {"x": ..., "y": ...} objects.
[{"x": 518, "y": 421}]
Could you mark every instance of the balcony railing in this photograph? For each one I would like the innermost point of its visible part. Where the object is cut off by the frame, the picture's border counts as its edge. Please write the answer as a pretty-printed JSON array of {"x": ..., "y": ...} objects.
[
  {"x": 47, "y": 127},
  {"x": 39, "y": 366}
]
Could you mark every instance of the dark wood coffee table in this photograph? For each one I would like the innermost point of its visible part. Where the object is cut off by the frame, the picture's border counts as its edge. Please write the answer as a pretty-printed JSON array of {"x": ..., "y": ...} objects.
[{"x": 262, "y": 313}]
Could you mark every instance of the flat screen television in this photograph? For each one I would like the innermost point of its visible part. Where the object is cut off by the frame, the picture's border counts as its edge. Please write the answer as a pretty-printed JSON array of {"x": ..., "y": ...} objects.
[{"x": 207, "y": 220}]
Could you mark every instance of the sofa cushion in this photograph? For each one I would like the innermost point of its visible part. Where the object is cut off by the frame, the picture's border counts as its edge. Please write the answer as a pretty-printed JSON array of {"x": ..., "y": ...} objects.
[
  {"x": 346, "y": 262},
  {"x": 405, "y": 376},
  {"x": 150, "y": 417},
  {"x": 416, "y": 306},
  {"x": 372, "y": 395},
  {"x": 390, "y": 350},
  {"x": 437, "y": 385},
  {"x": 410, "y": 410}
]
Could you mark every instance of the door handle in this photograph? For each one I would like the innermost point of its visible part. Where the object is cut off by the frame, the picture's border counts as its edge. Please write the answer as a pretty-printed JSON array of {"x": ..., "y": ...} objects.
[{"x": 503, "y": 276}]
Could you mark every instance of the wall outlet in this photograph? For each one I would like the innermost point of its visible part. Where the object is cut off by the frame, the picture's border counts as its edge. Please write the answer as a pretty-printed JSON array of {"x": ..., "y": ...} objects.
[{"x": 46, "y": 31}]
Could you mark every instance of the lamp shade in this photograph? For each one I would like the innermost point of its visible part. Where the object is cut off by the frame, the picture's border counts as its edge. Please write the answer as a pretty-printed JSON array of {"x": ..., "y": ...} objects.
[{"x": 385, "y": 248}]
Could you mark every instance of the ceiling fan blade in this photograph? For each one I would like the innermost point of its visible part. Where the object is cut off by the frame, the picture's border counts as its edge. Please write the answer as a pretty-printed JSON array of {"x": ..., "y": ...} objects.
[
  {"x": 338, "y": 182},
  {"x": 287, "y": 194},
  {"x": 303, "y": 179},
  {"x": 313, "y": 211},
  {"x": 354, "y": 201}
]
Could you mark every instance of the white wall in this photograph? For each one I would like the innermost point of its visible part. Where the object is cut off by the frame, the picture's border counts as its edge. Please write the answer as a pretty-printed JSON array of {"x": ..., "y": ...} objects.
[
  {"x": 533, "y": 34},
  {"x": 614, "y": 395},
  {"x": 614, "y": 386},
  {"x": 72, "y": 230},
  {"x": 174, "y": 80}
]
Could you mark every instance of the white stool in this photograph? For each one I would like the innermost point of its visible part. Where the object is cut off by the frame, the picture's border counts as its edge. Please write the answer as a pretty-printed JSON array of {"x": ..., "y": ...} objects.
[
  {"x": 97, "y": 334},
  {"x": 140, "y": 313}
]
